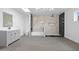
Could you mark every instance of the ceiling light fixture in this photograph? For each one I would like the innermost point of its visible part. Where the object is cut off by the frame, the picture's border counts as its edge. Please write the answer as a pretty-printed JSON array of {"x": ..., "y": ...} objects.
[
  {"x": 50, "y": 9},
  {"x": 25, "y": 9}
]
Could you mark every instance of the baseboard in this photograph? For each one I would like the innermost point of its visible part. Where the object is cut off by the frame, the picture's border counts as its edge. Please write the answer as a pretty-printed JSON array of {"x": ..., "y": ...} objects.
[
  {"x": 71, "y": 40},
  {"x": 13, "y": 42},
  {"x": 52, "y": 36}
]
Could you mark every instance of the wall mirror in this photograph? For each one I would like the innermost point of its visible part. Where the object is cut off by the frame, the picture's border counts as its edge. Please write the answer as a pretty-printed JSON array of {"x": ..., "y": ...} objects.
[{"x": 7, "y": 20}]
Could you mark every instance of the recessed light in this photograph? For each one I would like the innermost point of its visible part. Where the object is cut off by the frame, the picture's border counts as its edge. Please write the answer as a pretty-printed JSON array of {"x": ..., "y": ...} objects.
[{"x": 25, "y": 9}]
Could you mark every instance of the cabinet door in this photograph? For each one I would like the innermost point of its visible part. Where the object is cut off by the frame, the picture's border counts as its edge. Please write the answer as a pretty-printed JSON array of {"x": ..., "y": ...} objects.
[
  {"x": 9, "y": 37},
  {"x": 13, "y": 36},
  {"x": 18, "y": 34}
]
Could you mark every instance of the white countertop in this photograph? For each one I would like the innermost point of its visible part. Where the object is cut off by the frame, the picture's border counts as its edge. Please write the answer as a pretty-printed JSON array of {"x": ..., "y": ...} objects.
[{"x": 7, "y": 29}]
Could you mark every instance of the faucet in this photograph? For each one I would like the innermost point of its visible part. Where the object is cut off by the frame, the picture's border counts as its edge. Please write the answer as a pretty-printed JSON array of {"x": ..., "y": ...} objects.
[{"x": 9, "y": 27}]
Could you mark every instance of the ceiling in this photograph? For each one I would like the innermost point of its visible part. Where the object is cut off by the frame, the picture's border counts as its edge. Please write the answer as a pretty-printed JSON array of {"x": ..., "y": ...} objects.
[
  {"x": 55, "y": 11},
  {"x": 43, "y": 11}
]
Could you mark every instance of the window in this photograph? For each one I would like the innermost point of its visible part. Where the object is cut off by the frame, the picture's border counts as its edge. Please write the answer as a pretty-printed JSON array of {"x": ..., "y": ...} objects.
[{"x": 76, "y": 16}]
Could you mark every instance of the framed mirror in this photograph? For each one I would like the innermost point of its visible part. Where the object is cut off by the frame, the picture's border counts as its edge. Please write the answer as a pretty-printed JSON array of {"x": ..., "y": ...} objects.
[{"x": 7, "y": 20}]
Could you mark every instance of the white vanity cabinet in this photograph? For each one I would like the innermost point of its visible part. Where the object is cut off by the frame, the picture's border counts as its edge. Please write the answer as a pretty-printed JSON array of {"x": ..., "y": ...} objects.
[{"x": 8, "y": 36}]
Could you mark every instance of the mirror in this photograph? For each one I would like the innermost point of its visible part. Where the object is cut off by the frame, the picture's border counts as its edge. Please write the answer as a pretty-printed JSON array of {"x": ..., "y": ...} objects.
[{"x": 7, "y": 20}]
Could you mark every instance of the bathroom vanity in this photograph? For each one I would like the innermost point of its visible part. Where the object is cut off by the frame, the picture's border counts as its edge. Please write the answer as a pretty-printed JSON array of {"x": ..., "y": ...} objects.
[{"x": 9, "y": 36}]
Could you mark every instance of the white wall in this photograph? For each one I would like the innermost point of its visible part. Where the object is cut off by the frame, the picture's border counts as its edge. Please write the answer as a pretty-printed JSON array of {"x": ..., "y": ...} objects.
[
  {"x": 71, "y": 27},
  {"x": 18, "y": 19},
  {"x": 27, "y": 24}
]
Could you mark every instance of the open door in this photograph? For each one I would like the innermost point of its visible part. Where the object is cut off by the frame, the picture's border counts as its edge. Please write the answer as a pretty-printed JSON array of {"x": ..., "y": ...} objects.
[{"x": 61, "y": 24}]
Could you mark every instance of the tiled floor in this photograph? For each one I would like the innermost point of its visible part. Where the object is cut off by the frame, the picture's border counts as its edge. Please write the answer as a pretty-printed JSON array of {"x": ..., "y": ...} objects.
[{"x": 42, "y": 44}]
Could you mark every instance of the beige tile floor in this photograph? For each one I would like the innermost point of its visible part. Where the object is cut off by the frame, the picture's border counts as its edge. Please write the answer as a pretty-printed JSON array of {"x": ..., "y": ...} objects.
[{"x": 34, "y": 43}]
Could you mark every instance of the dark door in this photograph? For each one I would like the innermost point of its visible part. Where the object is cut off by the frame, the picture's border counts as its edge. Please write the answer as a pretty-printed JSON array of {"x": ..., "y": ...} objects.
[
  {"x": 61, "y": 24},
  {"x": 31, "y": 23}
]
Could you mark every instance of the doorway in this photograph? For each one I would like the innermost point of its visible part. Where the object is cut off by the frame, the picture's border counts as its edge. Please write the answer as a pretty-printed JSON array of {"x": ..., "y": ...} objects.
[{"x": 61, "y": 24}]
